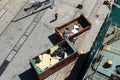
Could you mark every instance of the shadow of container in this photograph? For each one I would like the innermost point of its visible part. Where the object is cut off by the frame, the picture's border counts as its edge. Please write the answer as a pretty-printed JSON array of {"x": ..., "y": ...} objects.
[
  {"x": 54, "y": 39},
  {"x": 78, "y": 68},
  {"x": 28, "y": 75}
]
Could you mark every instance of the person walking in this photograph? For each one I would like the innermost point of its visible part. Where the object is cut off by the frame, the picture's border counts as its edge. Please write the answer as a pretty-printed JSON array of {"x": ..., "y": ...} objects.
[{"x": 56, "y": 14}]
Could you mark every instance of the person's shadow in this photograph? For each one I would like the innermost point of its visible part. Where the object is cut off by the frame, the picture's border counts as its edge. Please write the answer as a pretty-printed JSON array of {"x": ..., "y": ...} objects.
[
  {"x": 56, "y": 16},
  {"x": 53, "y": 20}
]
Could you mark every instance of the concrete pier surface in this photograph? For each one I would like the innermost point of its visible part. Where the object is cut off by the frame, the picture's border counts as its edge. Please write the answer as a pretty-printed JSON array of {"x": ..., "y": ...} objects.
[
  {"x": 24, "y": 35},
  {"x": 96, "y": 17}
]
